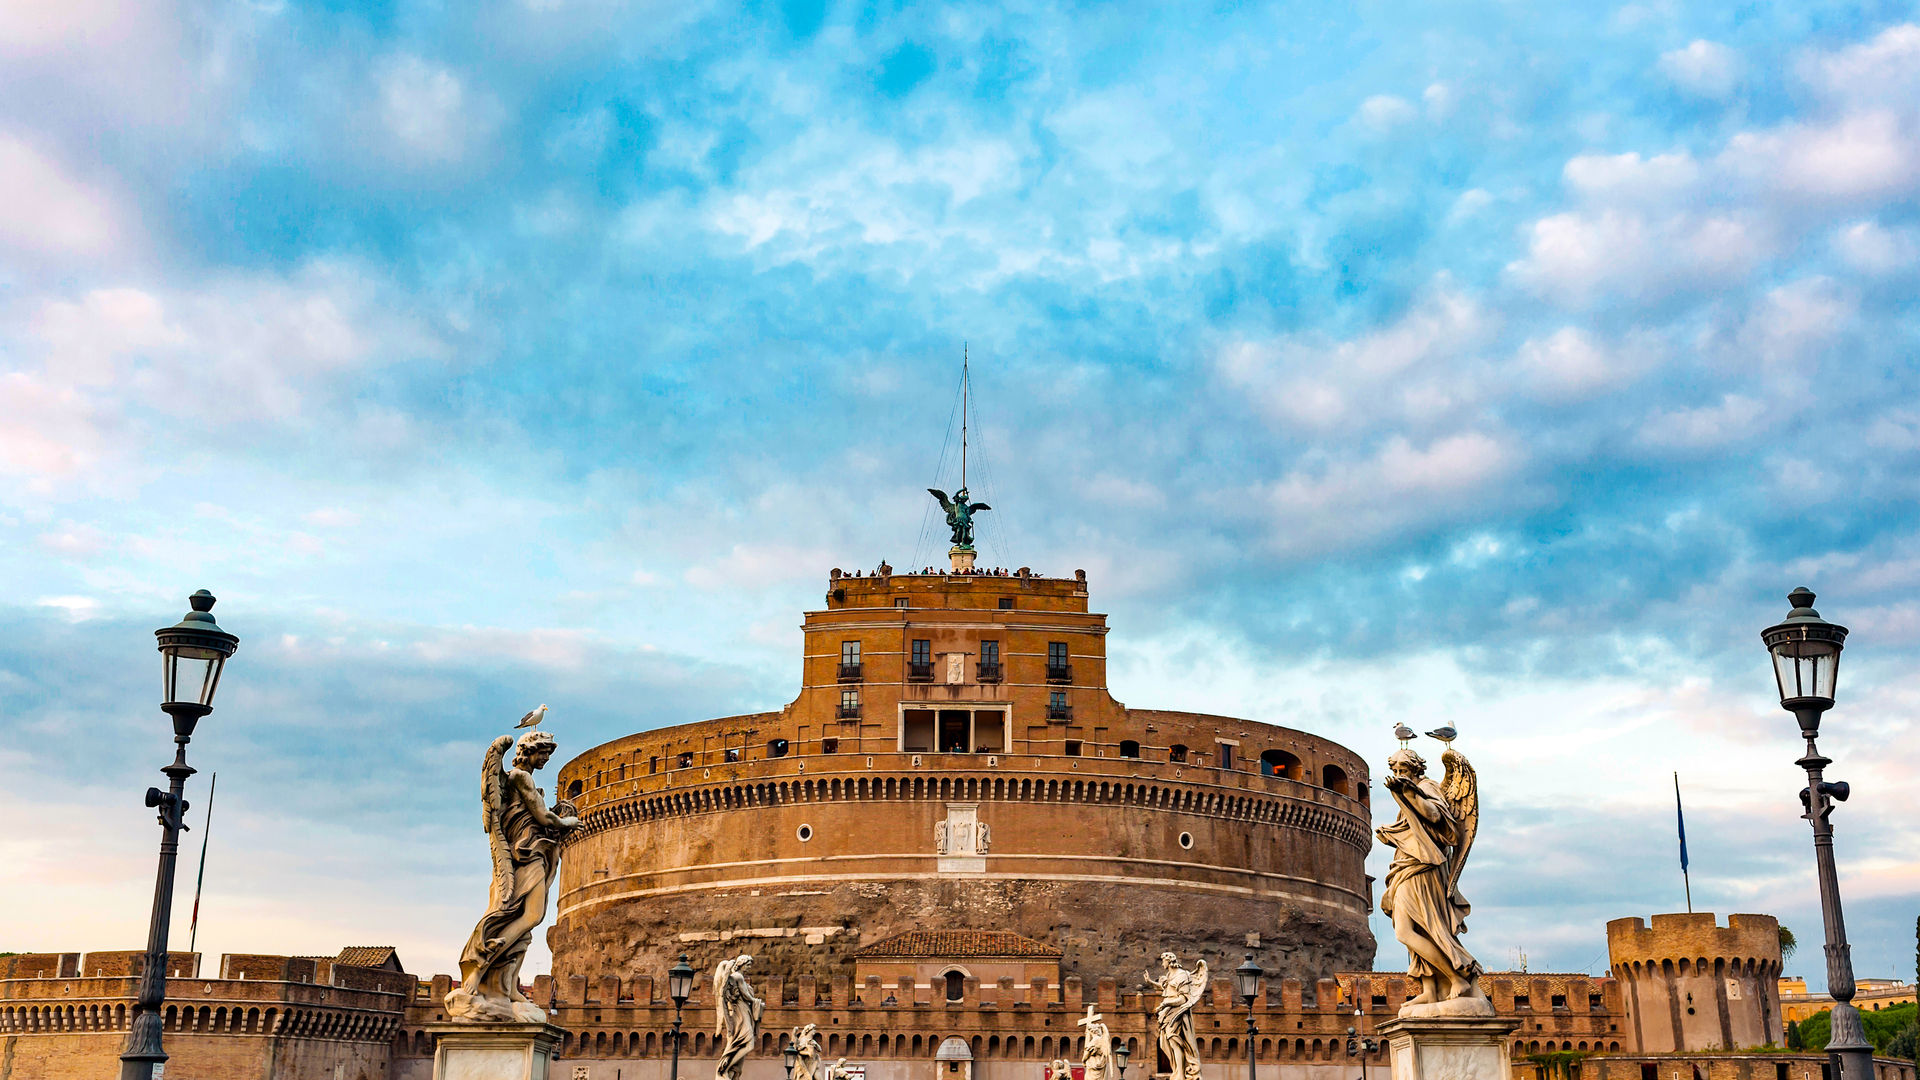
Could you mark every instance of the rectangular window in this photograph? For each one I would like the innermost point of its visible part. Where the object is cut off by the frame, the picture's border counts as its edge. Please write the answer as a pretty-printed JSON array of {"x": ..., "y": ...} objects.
[
  {"x": 989, "y": 661},
  {"x": 1559, "y": 1001},
  {"x": 849, "y": 704},
  {"x": 686, "y": 760},
  {"x": 989, "y": 732},
  {"x": 922, "y": 651},
  {"x": 849, "y": 661},
  {"x": 1058, "y": 669},
  {"x": 1522, "y": 1001},
  {"x": 1073, "y": 747},
  {"x": 920, "y": 660},
  {"x": 899, "y": 601},
  {"x": 916, "y": 731},
  {"x": 1226, "y": 755},
  {"x": 829, "y": 746},
  {"x": 1006, "y": 603},
  {"x": 732, "y": 753},
  {"x": 653, "y": 765}
]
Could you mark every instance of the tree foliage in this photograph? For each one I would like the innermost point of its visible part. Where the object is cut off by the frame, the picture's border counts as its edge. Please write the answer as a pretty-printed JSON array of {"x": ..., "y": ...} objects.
[
  {"x": 1787, "y": 943},
  {"x": 1883, "y": 1027}
]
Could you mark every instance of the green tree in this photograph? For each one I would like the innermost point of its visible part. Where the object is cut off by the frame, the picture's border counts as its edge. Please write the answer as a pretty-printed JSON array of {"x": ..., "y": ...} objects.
[
  {"x": 1787, "y": 943},
  {"x": 1883, "y": 1027},
  {"x": 1794, "y": 1041}
]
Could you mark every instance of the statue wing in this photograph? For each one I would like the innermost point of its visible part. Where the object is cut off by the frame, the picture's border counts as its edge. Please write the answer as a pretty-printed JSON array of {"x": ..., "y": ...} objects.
[
  {"x": 1462, "y": 790},
  {"x": 722, "y": 976},
  {"x": 977, "y": 507},
  {"x": 1198, "y": 985},
  {"x": 945, "y": 503},
  {"x": 493, "y": 812}
]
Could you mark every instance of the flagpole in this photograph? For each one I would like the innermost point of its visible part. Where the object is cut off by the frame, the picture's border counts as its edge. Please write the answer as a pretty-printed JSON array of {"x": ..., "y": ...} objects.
[
  {"x": 1685, "y": 878},
  {"x": 206, "y": 831}
]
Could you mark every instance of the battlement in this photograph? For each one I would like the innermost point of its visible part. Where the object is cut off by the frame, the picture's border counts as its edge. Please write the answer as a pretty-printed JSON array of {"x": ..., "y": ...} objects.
[
  {"x": 1695, "y": 937},
  {"x": 974, "y": 590}
]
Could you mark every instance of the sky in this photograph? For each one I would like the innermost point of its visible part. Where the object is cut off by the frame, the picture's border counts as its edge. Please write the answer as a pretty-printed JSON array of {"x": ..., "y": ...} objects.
[{"x": 1490, "y": 364}]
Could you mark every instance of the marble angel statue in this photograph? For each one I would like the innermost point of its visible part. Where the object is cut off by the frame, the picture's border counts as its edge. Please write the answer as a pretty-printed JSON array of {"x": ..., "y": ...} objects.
[
  {"x": 736, "y": 1020},
  {"x": 524, "y": 838},
  {"x": 1180, "y": 990},
  {"x": 806, "y": 1046},
  {"x": 1422, "y": 895},
  {"x": 1097, "y": 1058}
]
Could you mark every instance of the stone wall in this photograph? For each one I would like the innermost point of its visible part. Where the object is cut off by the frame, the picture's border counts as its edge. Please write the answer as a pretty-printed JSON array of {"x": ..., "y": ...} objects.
[{"x": 1692, "y": 984}]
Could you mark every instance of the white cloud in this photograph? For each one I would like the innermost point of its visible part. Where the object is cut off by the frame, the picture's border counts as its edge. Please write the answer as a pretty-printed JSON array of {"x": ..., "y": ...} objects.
[
  {"x": 1384, "y": 112},
  {"x": 1569, "y": 364},
  {"x": 1441, "y": 99},
  {"x": 427, "y": 108},
  {"x": 1862, "y": 155},
  {"x": 1868, "y": 246},
  {"x": 1578, "y": 257},
  {"x": 75, "y": 608},
  {"x": 47, "y": 211},
  {"x": 1630, "y": 178},
  {"x": 1704, "y": 68},
  {"x": 1884, "y": 70},
  {"x": 1733, "y": 418},
  {"x": 1400, "y": 486}
]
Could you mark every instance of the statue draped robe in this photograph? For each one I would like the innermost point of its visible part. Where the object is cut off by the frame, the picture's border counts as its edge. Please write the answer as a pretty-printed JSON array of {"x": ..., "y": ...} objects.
[
  {"x": 533, "y": 853},
  {"x": 1418, "y": 886}
]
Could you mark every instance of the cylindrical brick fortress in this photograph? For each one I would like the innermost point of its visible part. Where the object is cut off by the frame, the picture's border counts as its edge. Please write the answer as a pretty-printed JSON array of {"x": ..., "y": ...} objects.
[
  {"x": 1690, "y": 984},
  {"x": 954, "y": 761}
]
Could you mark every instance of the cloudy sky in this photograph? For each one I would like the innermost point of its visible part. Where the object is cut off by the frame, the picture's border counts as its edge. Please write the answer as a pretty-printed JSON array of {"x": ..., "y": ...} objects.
[{"x": 1484, "y": 363}]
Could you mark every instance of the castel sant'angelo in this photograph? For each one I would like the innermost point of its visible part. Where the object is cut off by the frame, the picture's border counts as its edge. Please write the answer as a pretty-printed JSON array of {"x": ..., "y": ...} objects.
[{"x": 948, "y": 854}]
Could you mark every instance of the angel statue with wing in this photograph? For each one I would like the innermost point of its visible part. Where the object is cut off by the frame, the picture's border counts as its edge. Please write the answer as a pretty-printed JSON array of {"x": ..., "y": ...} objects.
[
  {"x": 959, "y": 515},
  {"x": 524, "y": 836},
  {"x": 736, "y": 1023},
  {"x": 1180, "y": 990},
  {"x": 1422, "y": 894}
]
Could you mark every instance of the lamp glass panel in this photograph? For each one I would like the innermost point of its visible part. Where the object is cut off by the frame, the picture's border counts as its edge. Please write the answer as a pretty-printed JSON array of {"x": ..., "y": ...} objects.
[
  {"x": 1806, "y": 669},
  {"x": 679, "y": 985},
  {"x": 191, "y": 674},
  {"x": 1246, "y": 983}
]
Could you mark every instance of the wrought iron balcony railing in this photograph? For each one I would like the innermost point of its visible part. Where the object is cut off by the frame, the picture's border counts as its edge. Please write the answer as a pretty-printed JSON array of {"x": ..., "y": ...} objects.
[{"x": 850, "y": 672}]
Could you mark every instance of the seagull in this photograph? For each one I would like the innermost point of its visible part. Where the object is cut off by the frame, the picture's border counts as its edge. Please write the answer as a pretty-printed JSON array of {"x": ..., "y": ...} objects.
[
  {"x": 1444, "y": 734},
  {"x": 1403, "y": 733},
  {"x": 533, "y": 718}
]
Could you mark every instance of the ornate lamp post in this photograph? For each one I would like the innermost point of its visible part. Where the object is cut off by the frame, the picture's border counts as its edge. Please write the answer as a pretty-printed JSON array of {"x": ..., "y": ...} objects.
[
  {"x": 1246, "y": 983},
  {"x": 1357, "y": 1046},
  {"x": 1121, "y": 1054},
  {"x": 680, "y": 988},
  {"x": 792, "y": 1057},
  {"x": 192, "y": 652},
  {"x": 1806, "y": 665}
]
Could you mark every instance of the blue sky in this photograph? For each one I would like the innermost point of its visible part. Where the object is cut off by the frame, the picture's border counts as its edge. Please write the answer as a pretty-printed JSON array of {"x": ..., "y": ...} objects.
[{"x": 1483, "y": 363}]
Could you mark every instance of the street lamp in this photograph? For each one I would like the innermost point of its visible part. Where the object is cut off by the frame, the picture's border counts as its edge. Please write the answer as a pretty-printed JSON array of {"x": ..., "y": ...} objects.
[
  {"x": 1121, "y": 1053},
  {"x": 792, "y": 1056},
  {"x": 192, "y": 653},
  {"x": 1246, "y": 983},
  {"x": 1806, "y": 664},
  {"x": 679, "y": 988},
  {"x": 1358, "y": 1046}
]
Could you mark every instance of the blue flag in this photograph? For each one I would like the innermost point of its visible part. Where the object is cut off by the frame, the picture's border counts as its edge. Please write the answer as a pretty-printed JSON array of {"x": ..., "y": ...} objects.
[{"x": 1682, "y": 816}]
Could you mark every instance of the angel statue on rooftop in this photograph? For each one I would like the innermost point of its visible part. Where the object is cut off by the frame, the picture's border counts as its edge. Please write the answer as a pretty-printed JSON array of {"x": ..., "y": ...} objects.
[
  {"x": 736, "y": 1022},
  {"x": 1422, "y": 894},
  {"x": 959, "y": 515},
  {"x": 524, "y": 837},
  {"x": 1180, "y": 990}
]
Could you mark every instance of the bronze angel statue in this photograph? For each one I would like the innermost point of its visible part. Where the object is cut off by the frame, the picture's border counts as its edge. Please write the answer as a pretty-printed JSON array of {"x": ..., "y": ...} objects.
[
  {"x": 1422, "y": 896},
  {"x": 959, "y": 515},
  {"x": 524, "y": 837}
]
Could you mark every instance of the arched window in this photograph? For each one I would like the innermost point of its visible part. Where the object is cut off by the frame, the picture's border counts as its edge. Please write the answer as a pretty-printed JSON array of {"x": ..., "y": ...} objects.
[
  {"x": 956, "y": 984},
  {"x": 777, "y": 748},
  {"x": 1334, "y": 778},
  {"x": 1177, "y": 752},
  {"x": 573, "y": 790},
  {"x": 1279, "y": 763},
  {"x": 1129, "y": 748}
]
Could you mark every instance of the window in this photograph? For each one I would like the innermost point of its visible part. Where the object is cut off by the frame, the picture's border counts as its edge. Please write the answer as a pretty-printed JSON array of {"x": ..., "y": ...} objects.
[
  {"x": 920, "y": 660},
  {"x": 1334, "y": 778},
  {"x": 1186, "y": 840},
  {"x": 653, "y": 765},
  {"x": 1073, "y": 747},
  {"x": 899, "y": 601},
  {"x": 829, "y": 746},
  {"x": 1177, "y": 752},
  {"x": 916, "y": 731},
  {"x": 1279, "y": 763},
  {"x": 573, "y": 790},
  {"x": 686, "y": 760},
  {"x": 1522, "y": 1001},
  {"x": 1057, "y": 707},
  {"x": 989, "y": 661},
  {"x": 804, "y": 832},
  {"x": 849, "y": 704},
  {"x": 849, "y": 660},
  {"x": 1226, "y": 754},
  {"x": 956, "y": 985},
  {"x": 1006, "y": 603},
  {"x": 732, "y": 753},
  {"x": 1129, "y": 748},
  {"x": 777, "y": 748},
  {"x": 1058, "y": 667}
]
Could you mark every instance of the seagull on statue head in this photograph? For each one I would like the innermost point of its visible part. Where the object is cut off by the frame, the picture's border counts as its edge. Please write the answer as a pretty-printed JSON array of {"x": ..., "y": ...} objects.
[
  {"x": 1445, "y": 734},
  {"x": 1403, "y": 733},
  {"x": 533, "y": 718}
]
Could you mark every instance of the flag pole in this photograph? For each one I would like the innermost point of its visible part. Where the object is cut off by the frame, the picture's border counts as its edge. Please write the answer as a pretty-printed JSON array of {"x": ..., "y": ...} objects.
[
  {"x": 206, "y": 830},
  {"x": 1681, "y": 816}
]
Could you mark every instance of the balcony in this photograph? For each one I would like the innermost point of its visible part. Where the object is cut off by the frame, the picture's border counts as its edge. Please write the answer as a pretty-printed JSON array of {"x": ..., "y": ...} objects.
[
  {"x": 988, "y": 671},
  {"x": 1059, "y": 712},
  {"x": 919, "y": 671},
  {"x": 850, "y": 672},
  {"x": 1059, "y": 672},
  {"x": 848, "y": 712}
]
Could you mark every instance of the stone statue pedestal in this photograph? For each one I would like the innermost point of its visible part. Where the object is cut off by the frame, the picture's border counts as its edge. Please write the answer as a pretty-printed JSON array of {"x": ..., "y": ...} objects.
[
  {"x": 497, "y": 1051},
  {"x": 1449, "y": 1047},
  {"x": 962, "y": 559}
]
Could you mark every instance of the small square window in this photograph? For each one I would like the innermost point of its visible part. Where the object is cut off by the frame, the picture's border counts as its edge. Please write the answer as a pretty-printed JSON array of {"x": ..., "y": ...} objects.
[
  {"x": 733, "y": 753},
  {"x": 1073, "y": 747},
  {"x": 849, "y": 699},
  {"x": 829, "y": 746},
  {"x": 653, "y": 765},
  {"x": 899, "y": 601},
  {"x": 1006, "y": 603},
  {"x": 686, "y": 760}
]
